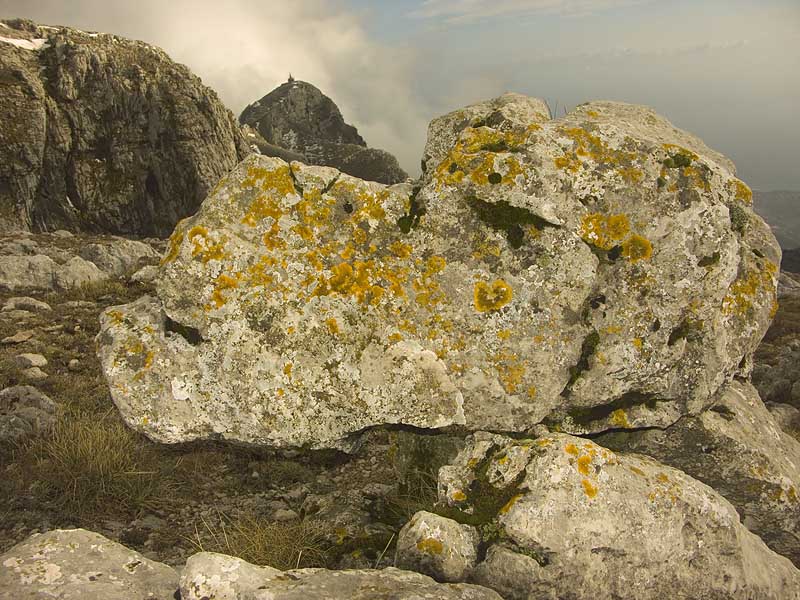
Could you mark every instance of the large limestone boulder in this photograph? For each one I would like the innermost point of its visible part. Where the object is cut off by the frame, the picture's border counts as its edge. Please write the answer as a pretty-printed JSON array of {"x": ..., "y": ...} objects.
[
  {"x": 739, "y": 449},
  {"x": 208, "y": 575},
  {"x": 76, "y": 564},
  {"x": 101, "y": 133},
  {"x": 597, "y": 271},
  {"x": 561, "y": 517},
  {"x": 296, "y": 121}
]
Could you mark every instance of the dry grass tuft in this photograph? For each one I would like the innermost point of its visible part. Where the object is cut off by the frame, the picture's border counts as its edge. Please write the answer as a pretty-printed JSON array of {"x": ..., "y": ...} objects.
[
  {"x": 93, "y": 466},
  {"x": 282, "y": 545}
]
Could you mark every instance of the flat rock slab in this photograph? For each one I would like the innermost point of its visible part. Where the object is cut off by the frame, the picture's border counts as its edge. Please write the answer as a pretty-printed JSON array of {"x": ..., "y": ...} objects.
[
  {"x": 561, "y": 517},
  {"x": 77, "y": 564},
  {"x": 590, "y": 272},
  {"x": 208, "y": 575}
]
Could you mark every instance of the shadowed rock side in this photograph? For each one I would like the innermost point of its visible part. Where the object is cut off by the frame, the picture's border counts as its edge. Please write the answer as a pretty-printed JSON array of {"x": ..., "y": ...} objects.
[
  {"x": 299, "y": 118},
  {"x": 103, "y": 134},
  {"x": 561, "y": 517},
  {"x": 588, "y": 272},
  {"x": 737, "y": 448}
]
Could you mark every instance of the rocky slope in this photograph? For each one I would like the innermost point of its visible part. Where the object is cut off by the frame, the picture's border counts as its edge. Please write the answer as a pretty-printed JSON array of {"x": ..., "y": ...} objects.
[
  {"x": 103, "y": 134},
  {"x": 299, "y": 118}
]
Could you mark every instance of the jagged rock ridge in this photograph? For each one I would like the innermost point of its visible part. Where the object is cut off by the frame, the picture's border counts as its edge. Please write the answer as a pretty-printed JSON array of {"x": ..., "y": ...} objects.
[
  {"x": 297, "y": 117},
  {"x": 104, "y": 134}
]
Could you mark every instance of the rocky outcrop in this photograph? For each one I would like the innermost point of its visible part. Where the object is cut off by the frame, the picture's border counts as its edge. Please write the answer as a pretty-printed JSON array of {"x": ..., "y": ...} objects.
[
  {"x": 51, "y": 262},
  {"x": 297, "y": 118},
  {"x": 80, "y": 565},
  {"x": 603, "y": 270},
  {"x": 24, "y": 411},
  {"x": 103, "y": 134},
  {"x": 561, "y": 517},
  {"x": 738, "y": 449},
  {"x": 209, "y": 575}
]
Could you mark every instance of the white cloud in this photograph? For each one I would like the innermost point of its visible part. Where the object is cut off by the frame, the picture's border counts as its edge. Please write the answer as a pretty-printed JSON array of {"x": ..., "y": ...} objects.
[{"x": 464, "y": 11}]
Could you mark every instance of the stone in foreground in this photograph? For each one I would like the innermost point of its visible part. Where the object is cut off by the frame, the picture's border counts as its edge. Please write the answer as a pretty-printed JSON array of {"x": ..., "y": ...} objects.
[
  {"x": 209, "y": 575},
  {"x": 439, "y": 547},
  {"x": 561, "y": 517},
  {"x": 598, "y": 271},
  {"x": 737, "y": 448},
  {"x": 80, "y": 565}
]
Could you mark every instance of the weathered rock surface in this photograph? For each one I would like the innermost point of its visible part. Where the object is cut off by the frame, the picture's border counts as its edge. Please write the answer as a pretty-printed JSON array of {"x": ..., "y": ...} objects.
[
  {"x": 561, "y": 517},
  {"x": 209, "y": 575},
  {"x": 599, "y": 271},
  {"x": 738, "y": 449},
  {"x": 296, "y": 121},
  {"x": 80, "y": 565},
  {"x": 100, "y": 133},
  {"x": 437, "y": 546},
  {"x": 24, "y": 411},
  {"x": 48, "y": 262}
]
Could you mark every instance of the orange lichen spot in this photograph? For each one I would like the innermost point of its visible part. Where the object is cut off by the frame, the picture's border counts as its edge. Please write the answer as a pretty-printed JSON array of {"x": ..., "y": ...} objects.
[
  {"x": 510, "y": 504},
  {"x": 493, "y": 297},
  {"x": 148, "y": 359},
  {"x": 638, "y": 471},
  {"x": 280, "y": 391},
  {"x": 571, "y": 449},
  {"x": 662, "y": 477},
  {"x": 604, "y": 231},
  {"x": 222, "y": 283},
  {"x": 589, "y": 489},
  {"x": 592, "y": 113},
  {"x": 618, "y": 418},
  {"x": 676, "y": 149},
  {"x": 332, "y": 324},
  {"x": 631, "y": 174},
  {"x": 291, "y": 329},
  {"x": 503, "y": 334},
  {"x": 637, "y": 248},
  {"x": 543, "y": 442},
  {"x": 531, "y": 391},
  {"x": 741, "y": 191},
  {"x": 510, "y": 371},
  {"x": 583, "y": 464},
  {"x": 587, "y": 146},
  {"x": 638, "y": 343},
  {"x": 459, "y": 496},
  {"x": 430, "y": 546},
  {"x": 116, "y": 317},
  {"x": 395, "y": 337},
  {"x": 304, "y": 231}
]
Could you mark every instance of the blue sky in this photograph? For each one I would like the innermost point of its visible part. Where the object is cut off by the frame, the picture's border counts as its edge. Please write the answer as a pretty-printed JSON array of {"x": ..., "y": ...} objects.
[{"x": 725, "y": 70}]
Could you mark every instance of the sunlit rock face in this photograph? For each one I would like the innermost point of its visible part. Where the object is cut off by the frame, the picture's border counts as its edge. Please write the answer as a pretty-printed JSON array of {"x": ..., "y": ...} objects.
[{"x": 600, "y": 271}]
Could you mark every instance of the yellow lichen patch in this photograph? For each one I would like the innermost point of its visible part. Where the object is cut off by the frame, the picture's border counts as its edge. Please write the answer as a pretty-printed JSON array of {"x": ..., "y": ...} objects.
[
  {"x": 430, "y": 546},
  {"x": 637, "y": 248},
  {"x": 427, "y": 289},
  {"x": 571, "y": 449},
  {"x": 395, "y": 337},
  {"x": 638, "y": 343},
  {"x": 332, "y": 324},
  {"x": 592, "y": 113},
  {"x": 583, "y": 464},
  {"x": 490, "y": 298},
  {"x": 222, "y": 283},
  {"x": 531, "y": 392},
  {"x": 287, "y": 369},
  {"x": 174, "y": 246},
  {"x": 400, "y": 249},
  {"x": 587, "y": 146},
  {"x": 676, "y": 149},
  {"x": 741, "y": 191},
  {"x": 604, "y": 231},
  {"x": 509, "y": 370},
  {"x": 503, "y": 334},
  {"x": 459, "y": 496},
  {"x": 695, "y": 177},
  {"x": 638, "y": 471},
  {"x": 116, "y": 317},
  {"x": 278, "y": 181},
  {"x": 744, "y": 290},
  {"x": 509, "y": 505},
  {"x": 589, "y": 489},
  {"x": 618, "y": 418},
  {"x": 662, "y": 477},
  {"x": 204, "y": 247}
]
